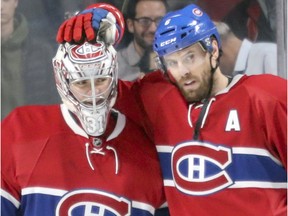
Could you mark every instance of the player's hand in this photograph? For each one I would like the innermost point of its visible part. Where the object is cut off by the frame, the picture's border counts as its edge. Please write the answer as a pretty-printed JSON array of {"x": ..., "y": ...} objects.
[{"x": 98, "y": 22}]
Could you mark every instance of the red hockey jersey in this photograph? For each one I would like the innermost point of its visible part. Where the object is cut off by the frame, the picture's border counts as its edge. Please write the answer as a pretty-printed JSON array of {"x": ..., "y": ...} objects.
[
  {"x": 238, "y": 166},
  {"x": 51, "y": 167}
]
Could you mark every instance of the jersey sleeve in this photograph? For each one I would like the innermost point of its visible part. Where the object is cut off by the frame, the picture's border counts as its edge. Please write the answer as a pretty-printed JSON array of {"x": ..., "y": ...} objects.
[
  {"x": 270, "y": 101},
  {"x": 151, "y": 94},
  {"x": 127, "y": 103},
  {"x": 9, "y": 204},
  {"x": 276, "y": 129},
  {"x": 139, "y": 101},
  {"x": 10, "y": 192}
]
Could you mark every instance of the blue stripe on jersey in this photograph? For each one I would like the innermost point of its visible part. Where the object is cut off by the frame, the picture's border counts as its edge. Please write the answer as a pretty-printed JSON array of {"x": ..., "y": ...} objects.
[
  {"x": 45, "y": 205},
  {"x": 39, "y": 204},
  {"x": 7, "y": 207},
  {"x": 244, "y": 167},
  {"x": 165, "y": 162},
  {"x": 256, "y": 168}
]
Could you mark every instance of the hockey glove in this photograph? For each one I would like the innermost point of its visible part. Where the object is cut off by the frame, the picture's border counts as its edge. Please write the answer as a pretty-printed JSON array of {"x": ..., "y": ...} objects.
[{"x": 98, "y": 22}]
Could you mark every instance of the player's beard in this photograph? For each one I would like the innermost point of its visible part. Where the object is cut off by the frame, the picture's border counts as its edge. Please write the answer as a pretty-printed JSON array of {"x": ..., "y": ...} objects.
[
  {"x": 140, "y": 40},
  {"x": 201, "y": 92}
]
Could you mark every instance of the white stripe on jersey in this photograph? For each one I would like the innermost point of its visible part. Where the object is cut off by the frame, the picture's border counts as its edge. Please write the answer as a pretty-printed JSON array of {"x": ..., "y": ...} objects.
[
  {"x": 42, "y": 190},
  {"x": 58, "y": 192},
  {"x": 163, "y": 148},
  {"x": 143, "y": 206},
  {"x": 235, "y": 150},
  {"x": 243, "y": 184},
  {"x": 9, "y": 197},
  {"x": 255, "y": 151},
  {"x": 258, "y": 184}
]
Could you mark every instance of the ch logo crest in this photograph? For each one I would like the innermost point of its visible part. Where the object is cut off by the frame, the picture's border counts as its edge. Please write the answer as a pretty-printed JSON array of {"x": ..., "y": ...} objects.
[
  {"x": 79, "y": 54},
  {"x": 92, "y": 203},
  {"x": 199, "y": 168}
]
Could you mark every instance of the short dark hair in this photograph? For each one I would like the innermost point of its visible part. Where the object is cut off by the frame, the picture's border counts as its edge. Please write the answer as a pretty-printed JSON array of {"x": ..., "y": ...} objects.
[{"x": 129, "y": 10}]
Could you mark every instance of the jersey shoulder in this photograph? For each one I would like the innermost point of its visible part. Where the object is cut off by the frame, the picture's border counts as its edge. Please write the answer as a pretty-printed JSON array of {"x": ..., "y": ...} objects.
[
  {"x": 267, "y": 86},
  {"x": 156, "y": 86},
  {"x": 32, "y": 121},
  {"x": 31, "y": 112}
]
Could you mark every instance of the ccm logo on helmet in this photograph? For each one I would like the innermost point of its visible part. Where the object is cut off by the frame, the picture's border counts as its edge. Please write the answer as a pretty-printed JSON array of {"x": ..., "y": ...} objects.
[{"x": 168, "y": 42}]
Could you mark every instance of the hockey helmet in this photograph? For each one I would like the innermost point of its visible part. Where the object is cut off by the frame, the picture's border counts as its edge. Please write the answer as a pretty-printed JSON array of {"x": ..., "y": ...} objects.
[{"x": 182, "y": 28}]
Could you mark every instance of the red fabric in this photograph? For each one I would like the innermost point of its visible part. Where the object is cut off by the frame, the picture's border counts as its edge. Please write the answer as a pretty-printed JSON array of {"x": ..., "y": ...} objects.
[
  {"x": 39, "y": 150},
  {"x": 261, "y": 106}
]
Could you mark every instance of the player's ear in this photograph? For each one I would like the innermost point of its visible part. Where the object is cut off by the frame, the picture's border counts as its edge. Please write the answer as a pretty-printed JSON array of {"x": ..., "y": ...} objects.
[
  {"x": 215, "y": 51},
  {"x": 130, "y": 26}
]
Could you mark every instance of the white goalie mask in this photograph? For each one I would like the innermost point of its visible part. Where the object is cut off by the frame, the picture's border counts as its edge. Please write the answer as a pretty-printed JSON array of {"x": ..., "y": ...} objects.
[{"x": 86, "y": 79}]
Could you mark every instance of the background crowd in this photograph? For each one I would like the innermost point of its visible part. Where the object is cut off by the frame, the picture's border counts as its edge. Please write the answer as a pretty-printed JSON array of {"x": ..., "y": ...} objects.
[
  {"x": 209, "y": 76},
  {"x": 29, "y": 27}
]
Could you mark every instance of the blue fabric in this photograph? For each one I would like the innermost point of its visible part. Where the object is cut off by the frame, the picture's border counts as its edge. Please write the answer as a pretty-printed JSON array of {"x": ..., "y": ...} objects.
[{"x": 98, "y": 15}]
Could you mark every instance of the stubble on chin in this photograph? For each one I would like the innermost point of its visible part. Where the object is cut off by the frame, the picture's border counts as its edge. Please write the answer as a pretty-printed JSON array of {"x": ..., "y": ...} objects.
[{"x": 192, "y": 96}]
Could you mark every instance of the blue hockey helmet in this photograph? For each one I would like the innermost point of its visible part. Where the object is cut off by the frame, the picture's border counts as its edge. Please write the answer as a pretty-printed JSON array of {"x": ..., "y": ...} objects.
[{"x": 182, "y": 28}]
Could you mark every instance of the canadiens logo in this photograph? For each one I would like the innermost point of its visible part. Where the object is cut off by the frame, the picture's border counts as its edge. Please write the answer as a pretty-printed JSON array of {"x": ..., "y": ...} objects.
[
  {"x": 93, "y": 203},
  {"x": 79, "y": 53},
  {"x": 199, "y": 168},
  {"x": 197, "y": 12}
]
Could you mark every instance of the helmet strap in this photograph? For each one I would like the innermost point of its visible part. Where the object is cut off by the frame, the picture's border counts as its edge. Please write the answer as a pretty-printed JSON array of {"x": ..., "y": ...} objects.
[
  {"x": 212, "y": 69},
  {"x": 205, "y": 101}
]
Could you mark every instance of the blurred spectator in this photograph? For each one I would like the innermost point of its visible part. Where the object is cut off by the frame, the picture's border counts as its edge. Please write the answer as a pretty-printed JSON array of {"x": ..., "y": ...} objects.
[
  {"x": 249, "y": 20},
  {"x": 176, "y": 4},
  {"x": 243, "y": 56},
  {"x": 269, "y": 10},
  {"x": 142, "y": 17},
  {"x": 217, "y": 9},
  {"x": 147, "y": 63},
  {"x": 25, "y": 60}
]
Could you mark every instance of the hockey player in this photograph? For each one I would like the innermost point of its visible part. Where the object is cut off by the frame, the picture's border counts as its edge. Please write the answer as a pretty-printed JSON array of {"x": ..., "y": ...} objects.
[
  {"x": 221, "y": 141},
  {"x": 81, "y": 157}
]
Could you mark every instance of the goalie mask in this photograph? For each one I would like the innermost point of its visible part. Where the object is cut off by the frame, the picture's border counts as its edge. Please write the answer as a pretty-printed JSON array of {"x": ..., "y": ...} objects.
[{"x": 86, "y": 79}]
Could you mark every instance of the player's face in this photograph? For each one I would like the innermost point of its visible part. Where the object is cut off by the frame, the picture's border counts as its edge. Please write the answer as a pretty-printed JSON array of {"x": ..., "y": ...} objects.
[
  {"x": 141, "y": 27},
  {"x": 191, "y": 71},
  {"x": 8, "y": 8},
  {"x": 87, "y": 90}
]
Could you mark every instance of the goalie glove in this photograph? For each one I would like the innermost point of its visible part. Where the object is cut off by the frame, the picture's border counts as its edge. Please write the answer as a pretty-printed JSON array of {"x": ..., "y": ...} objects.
[{"x": 98, "y": 22}]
